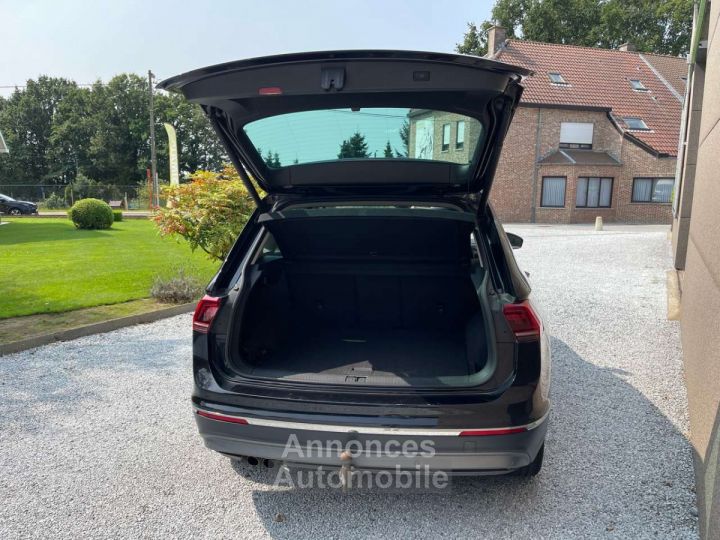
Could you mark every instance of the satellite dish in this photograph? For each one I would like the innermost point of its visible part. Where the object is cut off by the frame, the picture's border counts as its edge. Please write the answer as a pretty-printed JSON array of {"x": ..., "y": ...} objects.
[{"x": 3, "y": 147}]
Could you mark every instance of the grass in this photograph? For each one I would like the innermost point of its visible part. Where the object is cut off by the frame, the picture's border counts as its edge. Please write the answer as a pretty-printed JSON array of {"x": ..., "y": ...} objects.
[
  {"x": 49, "y": 266},
  {"x": 29, "y": 326}
]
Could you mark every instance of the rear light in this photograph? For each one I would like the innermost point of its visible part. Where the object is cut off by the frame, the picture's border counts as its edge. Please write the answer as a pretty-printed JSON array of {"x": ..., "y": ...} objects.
[
  {"x": 270, "y": 91},
  {"x": 522, "y": 320},
  {"x": 222, "y": 417},
  {"x": 205, "y": 312},
  {"x": 496, "y": 431}
]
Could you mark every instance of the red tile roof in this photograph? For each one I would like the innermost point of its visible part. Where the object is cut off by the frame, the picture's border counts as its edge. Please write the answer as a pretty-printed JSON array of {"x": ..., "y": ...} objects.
[{"x": 600, "y": 78}]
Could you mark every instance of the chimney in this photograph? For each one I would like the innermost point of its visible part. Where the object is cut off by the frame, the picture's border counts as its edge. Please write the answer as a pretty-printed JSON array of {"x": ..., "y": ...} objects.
[
  {"x": 496, "y": 37},
  {"x": 627, "y": 47}
]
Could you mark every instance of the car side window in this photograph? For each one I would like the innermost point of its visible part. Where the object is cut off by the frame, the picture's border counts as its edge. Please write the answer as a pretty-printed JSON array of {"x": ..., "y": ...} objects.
[
  {"x": 269, "y": 250},
  {"x": 270, "y": 246}
]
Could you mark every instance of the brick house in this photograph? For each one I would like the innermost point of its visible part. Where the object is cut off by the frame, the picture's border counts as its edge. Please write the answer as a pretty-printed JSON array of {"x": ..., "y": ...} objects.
[{"x": 596, "y": 134}]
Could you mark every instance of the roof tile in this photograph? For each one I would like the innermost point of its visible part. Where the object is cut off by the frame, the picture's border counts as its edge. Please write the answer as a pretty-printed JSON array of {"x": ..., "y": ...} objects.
[{"x": 600, "y": 78}]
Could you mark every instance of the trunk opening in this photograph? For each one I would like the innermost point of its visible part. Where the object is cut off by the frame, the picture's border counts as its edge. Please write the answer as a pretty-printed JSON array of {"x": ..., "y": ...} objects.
[{"x": 386, "y": 298}]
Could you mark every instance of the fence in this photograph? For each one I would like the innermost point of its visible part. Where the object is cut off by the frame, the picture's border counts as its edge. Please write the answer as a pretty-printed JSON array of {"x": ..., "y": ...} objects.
[{"x": 51, "y": 196}]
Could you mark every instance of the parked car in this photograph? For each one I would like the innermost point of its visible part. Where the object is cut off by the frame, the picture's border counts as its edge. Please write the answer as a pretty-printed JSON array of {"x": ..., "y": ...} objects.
[
  {"x": 373, "y": 294},
  {"x": 12, "y": 207}
]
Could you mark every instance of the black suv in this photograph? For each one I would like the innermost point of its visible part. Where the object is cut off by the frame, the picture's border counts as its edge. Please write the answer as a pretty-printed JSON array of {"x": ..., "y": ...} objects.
[{"x": 373, "y": 295}]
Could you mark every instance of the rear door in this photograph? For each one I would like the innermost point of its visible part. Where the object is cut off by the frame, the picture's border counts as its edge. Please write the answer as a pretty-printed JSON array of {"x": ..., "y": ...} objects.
[{"x": 358, "y": 122}]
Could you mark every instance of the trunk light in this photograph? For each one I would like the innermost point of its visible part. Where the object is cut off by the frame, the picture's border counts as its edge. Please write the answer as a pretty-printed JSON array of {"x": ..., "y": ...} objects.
[
  {"x": 486, "y": 432},
  {"x": 270, "y": 91},
  {"x": 205, "y": 312},
  {"x": 522, "y": 320}
]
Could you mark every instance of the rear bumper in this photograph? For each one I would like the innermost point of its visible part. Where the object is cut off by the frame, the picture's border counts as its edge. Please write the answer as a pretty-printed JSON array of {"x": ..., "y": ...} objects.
[{"x": 376, "y": 448}]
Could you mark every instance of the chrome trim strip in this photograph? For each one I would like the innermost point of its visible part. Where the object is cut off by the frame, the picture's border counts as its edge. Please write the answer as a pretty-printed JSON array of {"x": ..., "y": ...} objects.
[{"x": 370, "y": 430}]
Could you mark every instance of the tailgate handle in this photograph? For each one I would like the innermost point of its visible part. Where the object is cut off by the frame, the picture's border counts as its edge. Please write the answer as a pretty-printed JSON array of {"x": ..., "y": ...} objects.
[{"x": 332, "y": 77}]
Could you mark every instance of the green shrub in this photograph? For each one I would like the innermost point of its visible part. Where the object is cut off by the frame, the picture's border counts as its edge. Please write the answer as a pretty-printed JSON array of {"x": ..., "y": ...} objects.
[
  {"x": 91, "y": 214},
  {"x": 54, "y": 201},
  {"x": 117, "y": 215},
  {"x": 180, "y": 289}
]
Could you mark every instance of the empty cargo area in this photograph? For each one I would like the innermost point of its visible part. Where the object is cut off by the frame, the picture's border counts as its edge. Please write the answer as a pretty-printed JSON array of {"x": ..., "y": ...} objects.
[{"x": 371, "y": 299}]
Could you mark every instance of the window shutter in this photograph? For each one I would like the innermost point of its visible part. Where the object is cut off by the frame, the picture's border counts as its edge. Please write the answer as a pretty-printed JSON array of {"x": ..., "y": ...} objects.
[{"x": 576, "y": 133}]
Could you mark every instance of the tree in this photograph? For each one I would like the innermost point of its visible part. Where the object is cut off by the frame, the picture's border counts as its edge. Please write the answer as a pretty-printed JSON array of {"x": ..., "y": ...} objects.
[
  {"x": 58, "y": 131},
  {"x": 198, "y": 145},
  {"x": 119, "y": 147},
  {"x": 405, "y": 138},
  {"x": 208, "y": 212},
  {"x": 660, "y": 26},
  {"x": 73, "y": 127},
  {"x": 272, "y": 159},
  {"x": 653, "y": 26},
  {"x": 388, "y": 151},
  {"x": 573, "y": 22},
  {"x": 474, "y": 40},
  {"x": 354, "y": 147},
  {"x": 26, "y": 121}
]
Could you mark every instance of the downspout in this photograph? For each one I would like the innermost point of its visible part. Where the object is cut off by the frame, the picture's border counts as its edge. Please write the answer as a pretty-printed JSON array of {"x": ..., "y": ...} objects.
[
  {"x": 698, "y": 14},
  {"x": 536, "y": 168},
  {"x": 682, "y": 145}
]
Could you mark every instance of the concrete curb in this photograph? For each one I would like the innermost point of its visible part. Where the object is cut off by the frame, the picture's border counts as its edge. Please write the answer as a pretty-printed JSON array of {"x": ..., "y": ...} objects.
[{"x": 95, "y": 328}]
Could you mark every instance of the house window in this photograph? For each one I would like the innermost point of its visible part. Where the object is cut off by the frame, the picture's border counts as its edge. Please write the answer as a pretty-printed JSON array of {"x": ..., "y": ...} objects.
[
  {"x": 553, "y": 191},
  {"x": 445, "y": 137},
  {"x": 594, "y": 192},
  {"x": 638, "y": 85},
  {"x": 556, "y": 78},
  {"x": 635, "y": 123},
  {"x": 652, "y": 190},
  {"x": 576, "y": 135},
  {"x": 460, "y": 138}
]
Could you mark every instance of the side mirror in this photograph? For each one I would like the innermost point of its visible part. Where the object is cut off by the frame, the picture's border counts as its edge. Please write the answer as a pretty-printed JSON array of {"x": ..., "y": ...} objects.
[{"x": 515, "y": 241}]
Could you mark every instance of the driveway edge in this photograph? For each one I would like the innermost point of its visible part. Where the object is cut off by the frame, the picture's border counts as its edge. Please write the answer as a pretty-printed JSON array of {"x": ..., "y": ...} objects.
[{"x": 95, "y": 328}]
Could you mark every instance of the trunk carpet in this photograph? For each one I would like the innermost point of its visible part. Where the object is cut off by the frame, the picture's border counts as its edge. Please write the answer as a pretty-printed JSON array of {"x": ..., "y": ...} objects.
[{"x": 355, "y": 352}]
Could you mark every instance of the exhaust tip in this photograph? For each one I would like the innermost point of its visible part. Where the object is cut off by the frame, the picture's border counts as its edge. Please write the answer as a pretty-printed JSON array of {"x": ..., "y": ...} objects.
[
  {"x": 268, "y": 463},
  {"x": 252, "y": 461}
]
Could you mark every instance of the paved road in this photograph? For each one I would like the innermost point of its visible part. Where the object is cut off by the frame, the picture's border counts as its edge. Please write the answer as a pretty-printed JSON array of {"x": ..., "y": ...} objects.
[{"x": 97, "y": 438}]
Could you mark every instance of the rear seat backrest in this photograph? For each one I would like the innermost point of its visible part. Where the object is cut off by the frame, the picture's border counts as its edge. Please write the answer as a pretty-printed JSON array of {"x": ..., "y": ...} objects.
[{"x": 431, "y": 302}]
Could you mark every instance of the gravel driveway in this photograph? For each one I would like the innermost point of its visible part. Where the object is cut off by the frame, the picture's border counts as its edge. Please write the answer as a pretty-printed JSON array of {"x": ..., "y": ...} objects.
[{"x": 97, "y": 438}]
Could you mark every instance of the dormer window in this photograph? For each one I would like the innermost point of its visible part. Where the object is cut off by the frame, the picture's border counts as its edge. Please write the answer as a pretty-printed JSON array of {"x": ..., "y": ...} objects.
[
  {"x": 556, "y": 78},
  {"x": 635, "y": 123},
  {"x": 576, "y": 135},
  {"x": 638, "y": 85}
]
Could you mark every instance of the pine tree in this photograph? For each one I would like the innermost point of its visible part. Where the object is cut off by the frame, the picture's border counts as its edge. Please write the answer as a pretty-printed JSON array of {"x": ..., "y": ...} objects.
[
  {"x": 272, "y": 159},
  {"x": 388, "y": 152},
  {"x": 405, "y": 138},
  {"x": 354, "y": 147}
]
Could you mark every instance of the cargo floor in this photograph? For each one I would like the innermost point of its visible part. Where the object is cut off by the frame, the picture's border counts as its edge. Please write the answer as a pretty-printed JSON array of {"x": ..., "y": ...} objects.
[{"x": 380, "y": 355}]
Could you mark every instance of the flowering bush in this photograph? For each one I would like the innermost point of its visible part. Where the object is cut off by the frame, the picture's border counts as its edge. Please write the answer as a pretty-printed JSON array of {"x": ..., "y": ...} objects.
[{"x": 208, "y": 212}]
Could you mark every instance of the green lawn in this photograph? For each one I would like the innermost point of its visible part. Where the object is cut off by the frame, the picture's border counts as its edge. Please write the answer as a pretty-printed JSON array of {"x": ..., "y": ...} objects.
[{"x": 47, "y": 265}]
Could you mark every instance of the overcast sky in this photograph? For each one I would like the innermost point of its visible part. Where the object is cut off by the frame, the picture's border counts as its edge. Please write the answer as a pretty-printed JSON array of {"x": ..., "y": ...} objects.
[{"x": 87, "y": 40}]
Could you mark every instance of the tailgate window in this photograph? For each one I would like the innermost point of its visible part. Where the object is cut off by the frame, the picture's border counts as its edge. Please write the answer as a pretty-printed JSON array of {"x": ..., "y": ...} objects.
[{"x": 368, "y": 133}]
